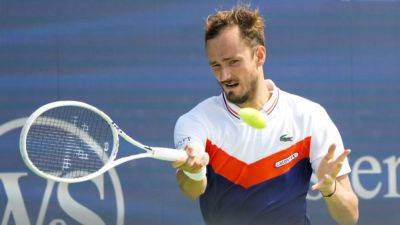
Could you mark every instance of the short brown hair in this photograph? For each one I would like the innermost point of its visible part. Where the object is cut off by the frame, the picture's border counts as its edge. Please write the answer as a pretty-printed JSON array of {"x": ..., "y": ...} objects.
[{"x": 250, "y": 23}]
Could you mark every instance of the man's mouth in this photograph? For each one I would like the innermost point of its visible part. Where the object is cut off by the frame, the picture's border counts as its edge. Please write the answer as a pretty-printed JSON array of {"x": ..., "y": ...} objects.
[{"x": 231, "y": 85}]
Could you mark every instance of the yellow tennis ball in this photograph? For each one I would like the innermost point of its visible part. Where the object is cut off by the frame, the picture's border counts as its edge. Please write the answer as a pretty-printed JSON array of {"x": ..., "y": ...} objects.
[{"x": 252, "y": 117}]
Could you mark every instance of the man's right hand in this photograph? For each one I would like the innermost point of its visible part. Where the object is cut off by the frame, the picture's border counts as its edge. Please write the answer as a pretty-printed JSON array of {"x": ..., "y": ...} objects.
[{"x": 197, "y": 159}]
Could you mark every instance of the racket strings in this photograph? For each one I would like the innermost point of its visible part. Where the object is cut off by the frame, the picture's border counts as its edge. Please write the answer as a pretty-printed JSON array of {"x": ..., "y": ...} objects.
[{"x": 69, "y": 142}]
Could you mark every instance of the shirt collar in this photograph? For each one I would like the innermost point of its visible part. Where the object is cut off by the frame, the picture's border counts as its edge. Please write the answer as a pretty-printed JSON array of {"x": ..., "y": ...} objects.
[{"x": 268, "y": 107}]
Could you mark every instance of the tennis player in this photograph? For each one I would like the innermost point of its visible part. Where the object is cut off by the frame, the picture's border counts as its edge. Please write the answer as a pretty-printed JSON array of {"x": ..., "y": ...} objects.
[{"x": 245, "y": 176}]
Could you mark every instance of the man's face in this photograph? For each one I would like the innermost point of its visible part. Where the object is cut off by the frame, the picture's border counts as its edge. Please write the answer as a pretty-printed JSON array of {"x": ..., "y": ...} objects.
[{"x": 234, "y": 65}]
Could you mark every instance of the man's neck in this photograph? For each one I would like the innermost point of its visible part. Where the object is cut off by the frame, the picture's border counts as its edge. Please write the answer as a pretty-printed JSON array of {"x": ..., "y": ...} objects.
[{"x": 261, "y": 96}]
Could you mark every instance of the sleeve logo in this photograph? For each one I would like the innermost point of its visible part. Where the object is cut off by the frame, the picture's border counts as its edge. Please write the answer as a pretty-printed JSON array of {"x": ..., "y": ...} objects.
[{"x": 183, "y": 142}]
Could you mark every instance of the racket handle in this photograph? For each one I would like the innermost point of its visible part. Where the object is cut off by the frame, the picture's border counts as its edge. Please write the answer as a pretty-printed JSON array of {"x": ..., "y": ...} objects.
[{"x": 169, "y": 154}]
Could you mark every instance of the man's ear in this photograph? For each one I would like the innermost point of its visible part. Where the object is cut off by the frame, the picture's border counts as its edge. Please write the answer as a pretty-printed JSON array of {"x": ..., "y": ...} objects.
[{"x": 261, "y": 55}]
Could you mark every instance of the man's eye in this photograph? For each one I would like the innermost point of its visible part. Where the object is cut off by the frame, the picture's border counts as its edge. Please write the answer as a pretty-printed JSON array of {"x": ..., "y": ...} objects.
[
  {"x": 216, "y": 66},
  {"x": 233, "y": 62}
]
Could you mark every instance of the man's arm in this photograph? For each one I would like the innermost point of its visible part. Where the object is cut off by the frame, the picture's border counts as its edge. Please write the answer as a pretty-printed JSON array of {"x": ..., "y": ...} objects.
[
  {"x": 338, "y": 194},
  {"x": 192, "y": 189},
  {"x": 343, "y": 204},
  {"x": 195, "y": 165}
]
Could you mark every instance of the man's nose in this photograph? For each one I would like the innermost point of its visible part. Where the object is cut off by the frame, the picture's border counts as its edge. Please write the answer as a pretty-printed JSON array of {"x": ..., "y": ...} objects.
[{"x": 225, "y": 75}]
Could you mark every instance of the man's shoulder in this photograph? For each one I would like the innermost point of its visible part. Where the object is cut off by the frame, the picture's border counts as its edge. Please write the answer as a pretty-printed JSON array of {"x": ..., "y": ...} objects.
[
  {"x": 204, "y": 108},
  {"x": 208, "y": 104},
  {"x": 302, "y": 105}
]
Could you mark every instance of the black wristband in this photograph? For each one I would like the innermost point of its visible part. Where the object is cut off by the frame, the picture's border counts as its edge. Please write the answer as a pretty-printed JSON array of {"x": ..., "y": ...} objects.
[{"x": 330, "y": 195}]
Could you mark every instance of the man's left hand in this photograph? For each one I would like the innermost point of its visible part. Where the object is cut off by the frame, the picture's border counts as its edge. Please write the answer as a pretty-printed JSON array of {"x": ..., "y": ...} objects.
[{"x": 328, "y": 170}]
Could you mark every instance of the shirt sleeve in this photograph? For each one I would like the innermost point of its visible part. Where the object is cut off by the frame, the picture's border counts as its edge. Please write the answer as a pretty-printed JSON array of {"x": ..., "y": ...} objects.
[
  {"x": 189, "y": 130},
  {"x": 324, "y": 133}
]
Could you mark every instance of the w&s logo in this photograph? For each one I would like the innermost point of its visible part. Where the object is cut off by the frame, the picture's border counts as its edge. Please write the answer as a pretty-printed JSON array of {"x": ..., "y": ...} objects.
[{"x": 26, "y": 199}]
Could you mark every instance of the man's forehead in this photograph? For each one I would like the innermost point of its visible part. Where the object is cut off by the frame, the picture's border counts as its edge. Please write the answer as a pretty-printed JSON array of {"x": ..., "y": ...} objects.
[
  {"x": 225, "y": 52},
  {"x": 222, "y": 56}
]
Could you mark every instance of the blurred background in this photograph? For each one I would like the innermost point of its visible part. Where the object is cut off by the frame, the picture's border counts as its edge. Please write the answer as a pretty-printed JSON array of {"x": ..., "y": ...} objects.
[{"x": 143, "y": 63}]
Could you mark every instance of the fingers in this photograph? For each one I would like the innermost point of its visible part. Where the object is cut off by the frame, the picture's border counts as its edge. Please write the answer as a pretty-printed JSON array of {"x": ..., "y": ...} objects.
[
  {"x": 339, "y": 162},
  {"x": 329, "y": 168},
  {"x": 331, "y": 152},
  {"x": 197, "y": 159},
  {"x": 179, "y": 163},
  {"x": 323, "y": 184},
  {"x": 316, "y": 186},
  {"x": 343, "y": 156},
  {"x": 191, "y": 152}
]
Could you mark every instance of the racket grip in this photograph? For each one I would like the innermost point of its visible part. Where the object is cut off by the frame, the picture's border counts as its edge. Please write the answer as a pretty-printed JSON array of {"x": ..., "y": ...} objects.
[{"x": 169, "y": 154}]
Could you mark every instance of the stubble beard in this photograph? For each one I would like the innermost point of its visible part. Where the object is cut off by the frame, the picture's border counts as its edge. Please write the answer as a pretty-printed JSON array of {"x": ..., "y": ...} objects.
[{"x": 248, "y": 95}]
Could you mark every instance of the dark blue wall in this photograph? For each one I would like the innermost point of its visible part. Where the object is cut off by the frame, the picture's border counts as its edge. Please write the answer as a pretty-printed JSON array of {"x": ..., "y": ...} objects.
[{"x": 143, "y": 63}]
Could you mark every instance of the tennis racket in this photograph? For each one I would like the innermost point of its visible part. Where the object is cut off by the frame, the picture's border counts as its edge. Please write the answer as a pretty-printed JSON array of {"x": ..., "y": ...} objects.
[{"x": 70, "y": 141}]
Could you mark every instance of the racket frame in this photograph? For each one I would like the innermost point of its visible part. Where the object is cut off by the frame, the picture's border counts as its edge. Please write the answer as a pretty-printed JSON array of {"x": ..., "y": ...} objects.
[{"x": 160, "y": 153}]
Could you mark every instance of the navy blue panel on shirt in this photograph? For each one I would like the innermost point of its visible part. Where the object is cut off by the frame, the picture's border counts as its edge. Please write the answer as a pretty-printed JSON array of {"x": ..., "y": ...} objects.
[{"x": 280, "y": 201}]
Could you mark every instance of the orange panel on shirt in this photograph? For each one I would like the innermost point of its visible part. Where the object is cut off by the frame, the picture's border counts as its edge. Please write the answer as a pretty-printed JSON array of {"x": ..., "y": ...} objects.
[{"x": 247, "y": 175}]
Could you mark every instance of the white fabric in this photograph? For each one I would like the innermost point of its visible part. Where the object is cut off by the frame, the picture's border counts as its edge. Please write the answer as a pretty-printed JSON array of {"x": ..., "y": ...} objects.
[{"x": 214, "y": 119}]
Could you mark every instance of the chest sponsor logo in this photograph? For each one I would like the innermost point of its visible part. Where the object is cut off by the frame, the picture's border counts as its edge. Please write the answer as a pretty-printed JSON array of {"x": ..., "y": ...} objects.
[{"x": 286, "y": 160}]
